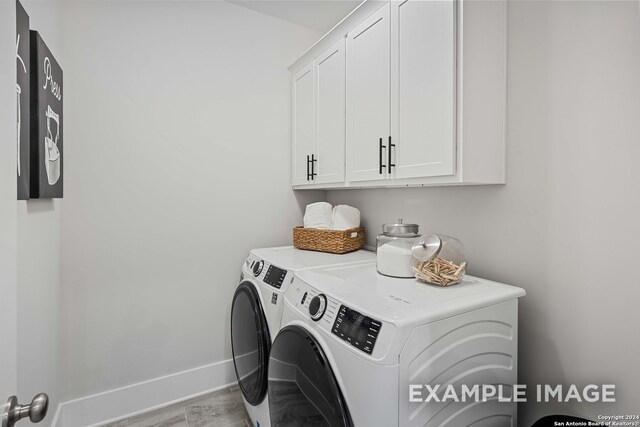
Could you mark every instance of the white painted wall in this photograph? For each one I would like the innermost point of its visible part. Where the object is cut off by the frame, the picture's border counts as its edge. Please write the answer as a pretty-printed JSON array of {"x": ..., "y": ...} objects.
[
  {"x": 177, "y": 163},
  {"x": 39, "y": 261},
  {"x": 565, "y": 227}
]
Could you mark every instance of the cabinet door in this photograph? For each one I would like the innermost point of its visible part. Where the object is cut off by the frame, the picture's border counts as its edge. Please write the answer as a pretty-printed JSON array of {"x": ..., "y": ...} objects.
[
  {"x": 303, "y": 112},
  {"x": 330, "y": 95},
  {"x": 423, "y": 88},
  {"x": 368, "y": 97}
]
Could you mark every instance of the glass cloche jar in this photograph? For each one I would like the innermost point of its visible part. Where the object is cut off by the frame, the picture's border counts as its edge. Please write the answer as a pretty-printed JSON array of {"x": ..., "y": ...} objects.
[
  {"x": 393, "y": 256},
  {"x": 439, "y": 260}
]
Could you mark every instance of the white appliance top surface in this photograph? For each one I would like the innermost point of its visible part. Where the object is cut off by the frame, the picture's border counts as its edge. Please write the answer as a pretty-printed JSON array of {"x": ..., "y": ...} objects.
[
  {"x": 290, "y": 258},
  {"x": 405, "y": 301}
]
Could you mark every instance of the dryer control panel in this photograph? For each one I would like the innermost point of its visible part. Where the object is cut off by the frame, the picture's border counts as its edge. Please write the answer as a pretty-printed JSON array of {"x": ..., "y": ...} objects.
[
  {"x": 267, "y": 273},
  {"x": 275, "y": 276},
  {"x": 358, "y": 330}
]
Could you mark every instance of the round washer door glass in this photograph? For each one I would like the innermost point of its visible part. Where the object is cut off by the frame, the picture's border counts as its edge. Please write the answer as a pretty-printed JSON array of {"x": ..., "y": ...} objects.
[
  {"x": 303, "y": 390},
  {"x": 250, "y": 343}
]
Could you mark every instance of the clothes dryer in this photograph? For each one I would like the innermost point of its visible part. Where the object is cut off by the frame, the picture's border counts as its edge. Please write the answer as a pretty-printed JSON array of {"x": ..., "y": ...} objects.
[{"x": 257, "y": 309}]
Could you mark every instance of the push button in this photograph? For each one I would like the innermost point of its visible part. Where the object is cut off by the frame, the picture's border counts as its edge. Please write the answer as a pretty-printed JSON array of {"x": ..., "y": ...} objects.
[{"x": 356, "y": 329}]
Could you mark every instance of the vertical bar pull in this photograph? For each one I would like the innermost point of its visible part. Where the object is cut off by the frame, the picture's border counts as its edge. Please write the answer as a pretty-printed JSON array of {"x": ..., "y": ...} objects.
[
  {"x": 380, "y": 147},
  {"x": 391, "y": 165},
  {"x": 307, "y": 167},
  {"x": 313, "y": 163}
]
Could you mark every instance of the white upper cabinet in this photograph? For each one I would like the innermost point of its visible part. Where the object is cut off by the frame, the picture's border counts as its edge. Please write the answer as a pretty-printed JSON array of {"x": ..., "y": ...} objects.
[
  {"x": 368, "y": 97},
  {"x": 423, "y": 78},
  {"x": 318, "y": 119},
  {"x": 303, "y": 131},
  {"x": 425, "y": 99},
  {"x": 330, "y": 101}
]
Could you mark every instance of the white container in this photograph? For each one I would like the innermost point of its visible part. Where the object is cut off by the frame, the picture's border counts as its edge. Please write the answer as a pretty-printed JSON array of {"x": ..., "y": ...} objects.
[{"x": 393, "y": 256}]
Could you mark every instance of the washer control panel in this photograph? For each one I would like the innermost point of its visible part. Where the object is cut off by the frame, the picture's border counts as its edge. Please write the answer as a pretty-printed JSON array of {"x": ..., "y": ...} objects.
[{"x": 357, "y": 329}]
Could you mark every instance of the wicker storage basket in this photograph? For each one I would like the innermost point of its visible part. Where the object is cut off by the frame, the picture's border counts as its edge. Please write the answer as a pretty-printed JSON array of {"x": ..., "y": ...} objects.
[{"x": 333, "y": 241}]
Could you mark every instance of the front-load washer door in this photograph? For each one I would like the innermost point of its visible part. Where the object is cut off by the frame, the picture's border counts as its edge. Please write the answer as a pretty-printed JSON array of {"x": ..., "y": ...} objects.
[
  {"x": 303, "y": 390},
  {"x": 250, "y": 343}
]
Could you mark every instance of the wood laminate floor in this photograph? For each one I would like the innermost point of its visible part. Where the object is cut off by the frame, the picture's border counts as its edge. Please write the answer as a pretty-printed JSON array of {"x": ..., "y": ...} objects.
[{"x": 220, "y": 409}]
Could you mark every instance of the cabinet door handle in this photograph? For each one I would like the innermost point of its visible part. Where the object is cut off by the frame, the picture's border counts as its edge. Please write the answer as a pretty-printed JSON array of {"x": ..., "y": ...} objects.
[
  {"x": 307, "y": 167},
  {"x": 391, "y": 165},
  {"x": 380, "y": 147},
  {"x": 313, "y": 162}
]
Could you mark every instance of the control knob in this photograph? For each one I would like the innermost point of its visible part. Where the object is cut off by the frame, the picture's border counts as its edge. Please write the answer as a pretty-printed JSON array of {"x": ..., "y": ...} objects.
[
  {"x": 317, "y": 307},
  {"x": 257, "y": 268}
]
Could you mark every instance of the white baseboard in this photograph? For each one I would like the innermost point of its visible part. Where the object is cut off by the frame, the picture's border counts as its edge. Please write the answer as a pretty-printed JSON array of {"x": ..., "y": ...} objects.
[{"x": 137, "y": 398}]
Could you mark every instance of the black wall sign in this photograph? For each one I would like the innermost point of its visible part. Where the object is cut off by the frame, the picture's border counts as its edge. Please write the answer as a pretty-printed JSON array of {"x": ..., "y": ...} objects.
[
  {"x": 22, "y": 99},
  {"x": 46, "y": 122}
]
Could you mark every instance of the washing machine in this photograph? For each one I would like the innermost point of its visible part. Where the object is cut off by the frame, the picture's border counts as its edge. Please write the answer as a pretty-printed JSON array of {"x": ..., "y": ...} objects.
[
  {"x": 353, "y": 341},
  {"x": 257, "y": 309}
]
